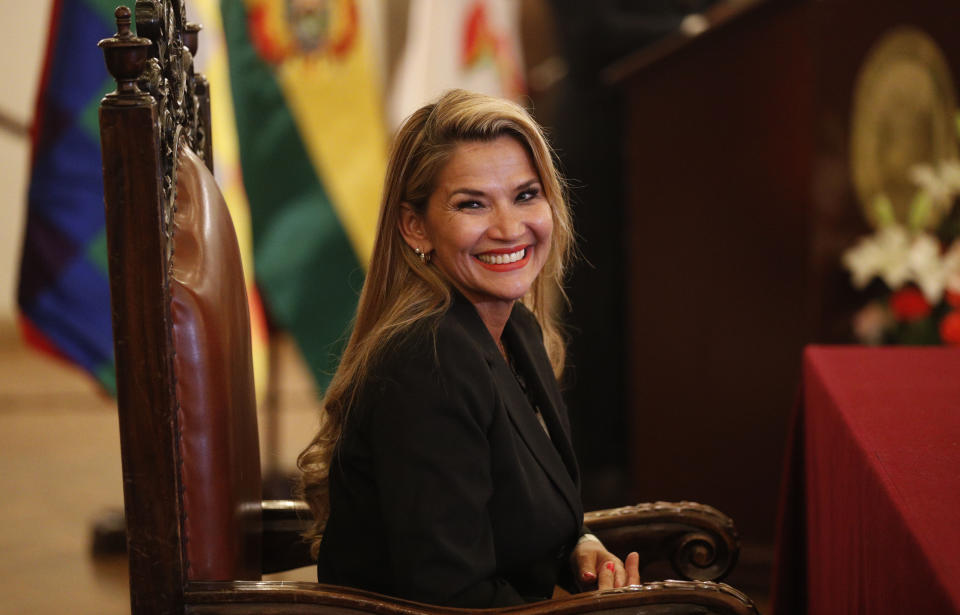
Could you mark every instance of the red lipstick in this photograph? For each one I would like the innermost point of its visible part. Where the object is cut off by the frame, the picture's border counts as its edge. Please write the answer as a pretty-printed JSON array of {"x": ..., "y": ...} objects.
[{"x": 507, "y": 266}]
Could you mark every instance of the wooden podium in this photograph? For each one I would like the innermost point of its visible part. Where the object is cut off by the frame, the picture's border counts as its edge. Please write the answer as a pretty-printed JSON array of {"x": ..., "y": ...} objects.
[{"x": 739, "y": 202}]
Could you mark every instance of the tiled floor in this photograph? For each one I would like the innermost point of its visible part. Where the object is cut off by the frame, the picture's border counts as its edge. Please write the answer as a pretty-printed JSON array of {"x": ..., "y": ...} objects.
[{"x": 60, "y": 469}]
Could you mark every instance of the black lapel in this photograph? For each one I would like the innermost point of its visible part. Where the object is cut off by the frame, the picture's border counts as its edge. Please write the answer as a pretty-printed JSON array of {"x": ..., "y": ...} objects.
[
  {"x": 556, "y": 456},
  {"x": 525, "y": 342}
]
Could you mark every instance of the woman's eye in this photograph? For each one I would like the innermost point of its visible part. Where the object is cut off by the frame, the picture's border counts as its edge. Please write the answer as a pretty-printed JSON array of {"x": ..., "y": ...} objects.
[
  {"x": 469, "y": 205},
  {"x": 526, "y": 195}
]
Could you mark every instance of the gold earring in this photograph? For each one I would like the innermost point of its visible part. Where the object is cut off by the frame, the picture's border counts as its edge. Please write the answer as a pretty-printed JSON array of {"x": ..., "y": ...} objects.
[{"x": 419, "y": 252}]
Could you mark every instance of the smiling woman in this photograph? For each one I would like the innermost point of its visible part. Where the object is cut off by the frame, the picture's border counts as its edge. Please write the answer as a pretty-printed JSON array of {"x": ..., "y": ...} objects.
[
  {"x": 487, "y": 224},
  {"x": 443, "y": 470}
]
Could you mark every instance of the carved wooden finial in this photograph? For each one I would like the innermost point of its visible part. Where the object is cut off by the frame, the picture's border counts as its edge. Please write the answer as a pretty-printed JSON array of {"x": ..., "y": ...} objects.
[
  {"x": 125, "y": 54},
  {"x": 189, "y": 36},
  {"x": 123, "y": 14}
]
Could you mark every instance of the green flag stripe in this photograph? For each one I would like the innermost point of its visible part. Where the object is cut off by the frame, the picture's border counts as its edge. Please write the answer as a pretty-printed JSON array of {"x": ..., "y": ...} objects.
[
  {"x": 304, "y": 263},
  {"x": 89, "y": 118},
  {"x": 97, "y": 252},
  {"x": 107, "y": 7},
  {"x": 108, "y": 377}
]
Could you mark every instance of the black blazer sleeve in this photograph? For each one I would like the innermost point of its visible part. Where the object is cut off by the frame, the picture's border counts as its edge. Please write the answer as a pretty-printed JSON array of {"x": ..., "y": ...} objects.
[{"x": 432, "y": 458}]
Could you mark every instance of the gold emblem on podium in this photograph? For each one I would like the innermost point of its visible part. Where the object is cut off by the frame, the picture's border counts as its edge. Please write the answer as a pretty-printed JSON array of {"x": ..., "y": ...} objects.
[{"x": 904, "y": 114}]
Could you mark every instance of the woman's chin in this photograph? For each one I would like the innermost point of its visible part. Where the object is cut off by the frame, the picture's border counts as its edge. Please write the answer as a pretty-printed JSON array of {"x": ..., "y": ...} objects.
[{"x": 505, "y": 296}]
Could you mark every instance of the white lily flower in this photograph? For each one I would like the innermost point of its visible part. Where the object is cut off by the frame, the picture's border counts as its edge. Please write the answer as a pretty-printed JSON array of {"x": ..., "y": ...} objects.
[
  {"x": 900, "y": 253},
  {"x": 950, "y": 175},
  {"x": 941, "y": 183},
  {"x": 883, "y": 254},
  {"x": 926, "y": 266},
  {"x": 926, "y": 177}
]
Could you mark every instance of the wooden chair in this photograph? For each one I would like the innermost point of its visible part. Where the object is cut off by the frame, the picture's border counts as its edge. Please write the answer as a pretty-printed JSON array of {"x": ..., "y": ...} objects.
[{"x": 199, "y": 537}]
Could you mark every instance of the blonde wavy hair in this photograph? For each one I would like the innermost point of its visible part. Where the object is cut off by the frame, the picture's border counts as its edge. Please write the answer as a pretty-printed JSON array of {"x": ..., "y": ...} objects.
[{"x": 399, "y": 291}]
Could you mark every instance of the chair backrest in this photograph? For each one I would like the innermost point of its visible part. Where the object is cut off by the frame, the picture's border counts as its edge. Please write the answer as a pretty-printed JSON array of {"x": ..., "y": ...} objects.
[{"x": 186, "y": 402}]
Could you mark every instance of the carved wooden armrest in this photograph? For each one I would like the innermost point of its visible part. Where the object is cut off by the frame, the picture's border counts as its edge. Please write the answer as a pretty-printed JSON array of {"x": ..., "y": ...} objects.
[
  {"x": 699, "y": 541},
  {"x": 656, "y": 598},
  {"x": 293, "y": 598},
  {"x": 284, "y": 522}
]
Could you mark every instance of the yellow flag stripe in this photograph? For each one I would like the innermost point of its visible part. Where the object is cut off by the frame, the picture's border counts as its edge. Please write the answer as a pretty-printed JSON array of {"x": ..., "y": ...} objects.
[{"x": 336, "y": 104}]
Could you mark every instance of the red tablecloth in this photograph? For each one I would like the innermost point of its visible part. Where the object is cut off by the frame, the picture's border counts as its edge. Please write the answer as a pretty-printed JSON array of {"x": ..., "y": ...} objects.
[{"x": 871, "y": 504}]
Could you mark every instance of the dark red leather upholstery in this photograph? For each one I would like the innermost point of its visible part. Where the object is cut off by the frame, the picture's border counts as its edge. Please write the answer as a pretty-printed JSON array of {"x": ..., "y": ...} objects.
[{"x": 220, "y": 472}]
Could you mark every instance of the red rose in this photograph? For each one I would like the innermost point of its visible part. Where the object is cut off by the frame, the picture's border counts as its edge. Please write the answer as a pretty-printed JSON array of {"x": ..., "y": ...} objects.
[
  {"x": 953, "y": 298},
  {"x": 950, "y": 328},
  {"x": 909, "y": 304}
]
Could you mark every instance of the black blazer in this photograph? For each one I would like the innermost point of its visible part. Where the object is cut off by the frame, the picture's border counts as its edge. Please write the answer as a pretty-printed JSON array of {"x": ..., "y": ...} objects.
[{"x": 445, "y": 488}]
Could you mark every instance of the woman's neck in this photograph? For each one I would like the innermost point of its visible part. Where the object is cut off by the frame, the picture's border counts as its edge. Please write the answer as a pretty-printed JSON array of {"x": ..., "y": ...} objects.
[{"x": 495, "y": 315}]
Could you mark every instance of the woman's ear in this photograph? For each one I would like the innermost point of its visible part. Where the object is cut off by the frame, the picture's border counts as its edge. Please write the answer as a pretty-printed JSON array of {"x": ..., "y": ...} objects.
[{"x": 413, "y": 229}]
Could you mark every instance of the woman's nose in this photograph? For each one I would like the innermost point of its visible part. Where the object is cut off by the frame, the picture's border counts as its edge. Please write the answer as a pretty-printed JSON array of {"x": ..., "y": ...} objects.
[{"x": 507, "y": 223}]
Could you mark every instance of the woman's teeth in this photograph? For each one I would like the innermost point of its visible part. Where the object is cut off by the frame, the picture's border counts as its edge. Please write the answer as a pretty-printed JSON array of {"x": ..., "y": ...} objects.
[{"x": 502, "y": 259}]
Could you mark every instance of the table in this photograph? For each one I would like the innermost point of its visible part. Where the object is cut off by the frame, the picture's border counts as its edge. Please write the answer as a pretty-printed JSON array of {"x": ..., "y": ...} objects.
[{"x": 870, "y": 506}]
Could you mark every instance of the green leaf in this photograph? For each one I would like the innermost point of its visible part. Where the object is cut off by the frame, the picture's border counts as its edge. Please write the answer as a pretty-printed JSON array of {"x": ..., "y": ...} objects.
[
  {"x": 923, "y": 332},
  {"x": 883, "y": 211},
  {"x": 921, "y": 210}
]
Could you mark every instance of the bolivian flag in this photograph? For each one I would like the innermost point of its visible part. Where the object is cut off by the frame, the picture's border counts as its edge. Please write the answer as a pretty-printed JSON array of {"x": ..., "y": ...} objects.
[{"x": 313, "y": 151}]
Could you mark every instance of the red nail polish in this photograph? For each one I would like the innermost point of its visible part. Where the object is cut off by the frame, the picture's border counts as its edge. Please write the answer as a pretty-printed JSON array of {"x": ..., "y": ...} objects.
[
  {"x": 588, "y": 576},
  {"x": 609, "y": 566}
]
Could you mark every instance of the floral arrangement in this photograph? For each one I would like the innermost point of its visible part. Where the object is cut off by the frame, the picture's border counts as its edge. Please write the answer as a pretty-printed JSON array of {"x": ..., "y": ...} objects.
[{"x": 912, "y": 267}]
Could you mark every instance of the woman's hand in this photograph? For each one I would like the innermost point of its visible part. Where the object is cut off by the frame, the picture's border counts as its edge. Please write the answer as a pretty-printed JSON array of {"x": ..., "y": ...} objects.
[{"x": 595, "y": 567}]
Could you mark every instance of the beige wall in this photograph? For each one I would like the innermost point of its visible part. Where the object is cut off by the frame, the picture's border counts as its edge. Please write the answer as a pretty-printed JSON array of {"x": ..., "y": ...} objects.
[{"x": 23, "y": 27}]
